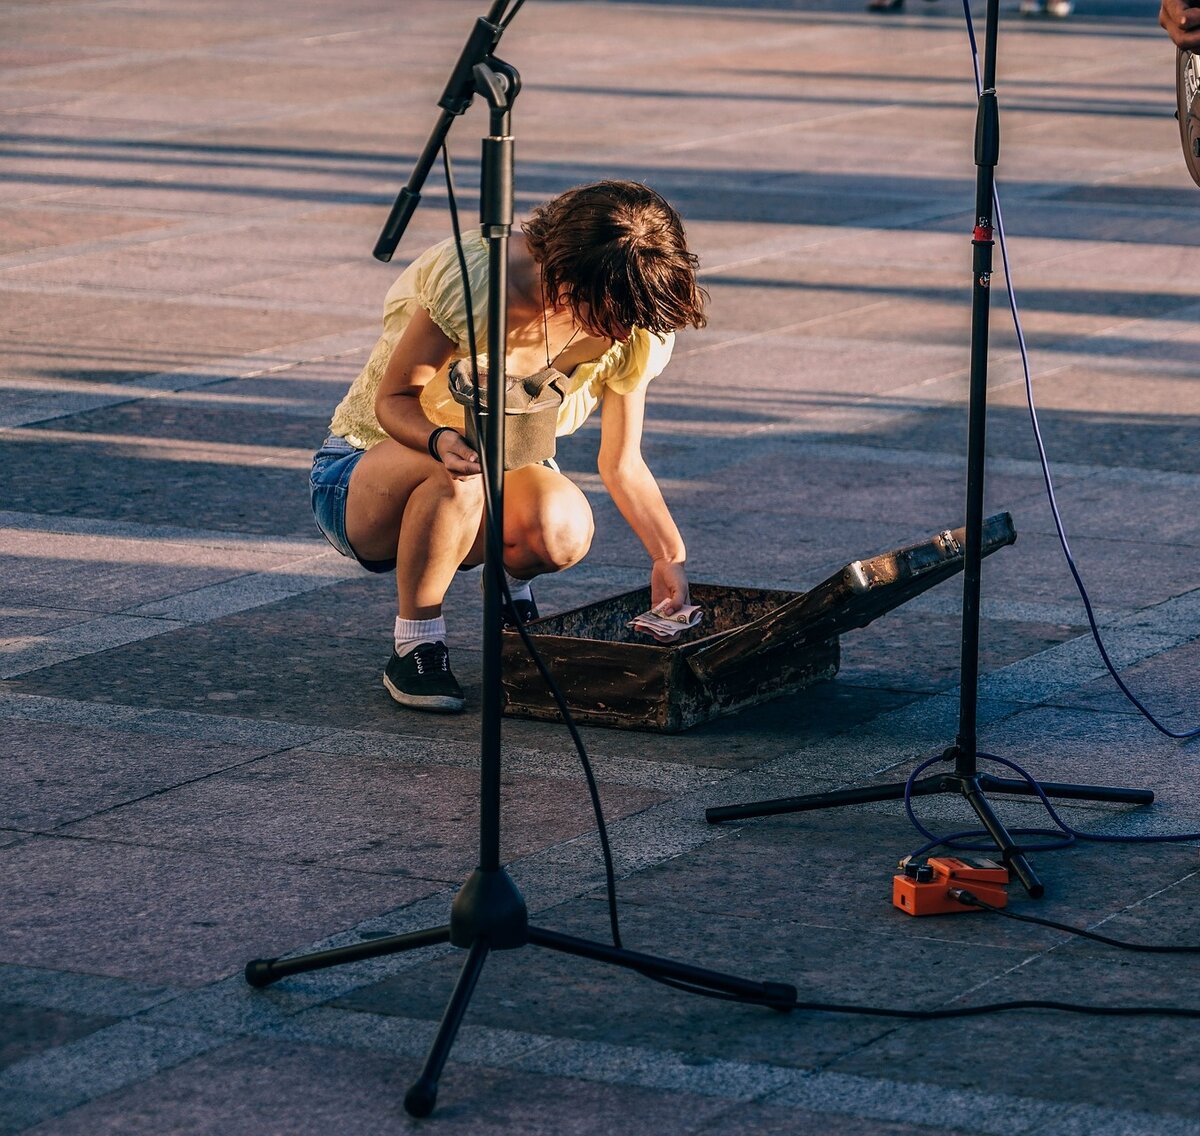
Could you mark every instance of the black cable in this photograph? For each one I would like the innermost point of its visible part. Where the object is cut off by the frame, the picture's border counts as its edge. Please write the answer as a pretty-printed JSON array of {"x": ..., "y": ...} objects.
[
  {"x": 496, "y": 547},
  {"x": 939, "y": 1014},
  {"x": 494, "y": 542},
  {"x": 512, "y": 12},
  {"x": 1001, "y": 1007},
  {"x": 970, "y": 899}
]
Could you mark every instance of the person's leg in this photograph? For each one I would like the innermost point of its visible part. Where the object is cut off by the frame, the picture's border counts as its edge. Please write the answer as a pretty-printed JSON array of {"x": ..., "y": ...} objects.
[
  {"x": 547, "y": 527},
  {"x": 547, "y": 523},
  {"x": 437, "y": 531},
  {"x": 403, "y": 504}
]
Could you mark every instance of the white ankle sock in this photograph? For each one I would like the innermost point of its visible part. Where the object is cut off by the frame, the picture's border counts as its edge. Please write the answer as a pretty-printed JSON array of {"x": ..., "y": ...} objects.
[
  {"x": 518, "y": 589},
  {"x": 410, "y": 633}
]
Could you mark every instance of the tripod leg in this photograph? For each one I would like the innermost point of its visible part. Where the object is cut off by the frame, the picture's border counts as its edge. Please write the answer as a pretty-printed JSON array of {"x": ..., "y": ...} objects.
[
  {"x": 1070, "y": 792},
  {"x": 1013, "y": 857},
  {"x": 832, "y": 800},
  {"x": 262, "y": 972},
  {"x": 420, "y": 1099},
  {"x": 777, "y": 995}
]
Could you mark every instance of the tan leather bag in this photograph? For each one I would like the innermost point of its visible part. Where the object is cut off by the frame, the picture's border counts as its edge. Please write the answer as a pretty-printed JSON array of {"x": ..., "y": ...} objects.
[{"x": 530, "y": 411}]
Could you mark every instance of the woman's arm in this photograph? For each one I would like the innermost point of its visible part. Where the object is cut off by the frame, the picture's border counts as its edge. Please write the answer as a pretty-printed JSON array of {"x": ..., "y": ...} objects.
[
  {"x": 419, "y": 354},
  {"x": 627, "y": 477}
]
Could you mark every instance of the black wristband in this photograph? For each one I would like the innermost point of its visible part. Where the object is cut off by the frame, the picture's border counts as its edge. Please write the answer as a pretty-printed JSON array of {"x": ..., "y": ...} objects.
[{"x": 432, "y": 443}]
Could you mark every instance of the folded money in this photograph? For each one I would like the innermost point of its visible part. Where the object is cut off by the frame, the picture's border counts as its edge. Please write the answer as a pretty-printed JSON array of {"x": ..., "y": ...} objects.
[{"x": 667, "y": 627}]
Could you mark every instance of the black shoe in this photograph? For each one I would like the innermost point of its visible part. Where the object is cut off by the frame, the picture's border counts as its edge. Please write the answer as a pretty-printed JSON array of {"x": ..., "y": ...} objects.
[
  {"x": 422, "y": 679},
  {"x": 526, "y": 609}
]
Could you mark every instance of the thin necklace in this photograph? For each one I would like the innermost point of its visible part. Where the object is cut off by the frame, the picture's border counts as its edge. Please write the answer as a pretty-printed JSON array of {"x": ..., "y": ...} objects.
[{"x": 546, "y": 324}]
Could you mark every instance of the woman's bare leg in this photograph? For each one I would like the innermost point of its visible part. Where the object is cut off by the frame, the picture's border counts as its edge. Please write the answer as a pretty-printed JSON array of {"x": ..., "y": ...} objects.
[
  {"x": 401, "y": 503},
  {"x": 547, "y": 523},
  {"x": 436, "y": 533},
  {"x": 404, "y": 504}
]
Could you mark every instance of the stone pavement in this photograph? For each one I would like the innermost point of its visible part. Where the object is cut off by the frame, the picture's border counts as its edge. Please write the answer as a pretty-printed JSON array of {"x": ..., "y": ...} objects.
[{"x": 200, "y": 763}]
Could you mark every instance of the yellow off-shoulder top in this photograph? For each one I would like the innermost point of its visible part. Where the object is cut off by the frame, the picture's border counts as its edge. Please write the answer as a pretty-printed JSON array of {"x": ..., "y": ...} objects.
[{"x": 434, "y": 282}]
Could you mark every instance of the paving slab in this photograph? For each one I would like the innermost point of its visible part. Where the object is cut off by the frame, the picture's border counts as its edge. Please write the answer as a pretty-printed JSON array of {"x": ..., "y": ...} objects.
[
  {"x": 373, "y": 816},
  {"x": 1162, "y": 685},
  {"x": 29, "y": 1030},
  {"x": 144, "y": 912},
  {"x": 315, "y": 1090},
  {"x": 46, "y": 784}
]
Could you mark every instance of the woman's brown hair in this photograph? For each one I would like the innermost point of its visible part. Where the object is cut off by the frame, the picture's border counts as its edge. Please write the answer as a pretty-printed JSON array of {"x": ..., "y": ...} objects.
[{"x": 615, "y": 251}]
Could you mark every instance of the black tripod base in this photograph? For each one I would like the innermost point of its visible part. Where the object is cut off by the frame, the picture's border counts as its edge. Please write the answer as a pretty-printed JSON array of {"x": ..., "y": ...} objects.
[
  {"x": 970, "y": 784},
  {"x": 262, "y": 972},
  {"x": 490, "y": 909}
]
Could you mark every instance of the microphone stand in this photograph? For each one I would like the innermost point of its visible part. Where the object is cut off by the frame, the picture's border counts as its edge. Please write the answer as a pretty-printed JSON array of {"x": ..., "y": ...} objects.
[
  {"x": 489, "y": 913},
  {"x": 965, "y": 778}
]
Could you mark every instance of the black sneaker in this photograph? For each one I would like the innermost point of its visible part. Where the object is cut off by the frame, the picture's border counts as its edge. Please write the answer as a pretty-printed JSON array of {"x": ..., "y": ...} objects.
[
  {"x": 526, "y": 609},
  {"x": 422, "y": 679}
]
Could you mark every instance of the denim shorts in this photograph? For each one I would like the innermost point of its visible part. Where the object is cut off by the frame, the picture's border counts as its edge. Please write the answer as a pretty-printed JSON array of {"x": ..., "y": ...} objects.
[{"x": 332, "y": 466}]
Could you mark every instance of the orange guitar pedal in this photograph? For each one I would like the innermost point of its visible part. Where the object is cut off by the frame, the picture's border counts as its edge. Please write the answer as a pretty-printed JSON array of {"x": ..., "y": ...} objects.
[{"x": 923, "y": 889}]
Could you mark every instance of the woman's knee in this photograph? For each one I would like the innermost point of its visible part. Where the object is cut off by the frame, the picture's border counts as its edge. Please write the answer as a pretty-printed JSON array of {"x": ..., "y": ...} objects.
[
  {"x": 561, "y": 535},
  {"x": 462, "y": 494}
]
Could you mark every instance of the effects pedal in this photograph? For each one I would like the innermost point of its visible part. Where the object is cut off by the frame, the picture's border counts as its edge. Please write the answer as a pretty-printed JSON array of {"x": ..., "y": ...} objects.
[{"x": 924, "y": 889}]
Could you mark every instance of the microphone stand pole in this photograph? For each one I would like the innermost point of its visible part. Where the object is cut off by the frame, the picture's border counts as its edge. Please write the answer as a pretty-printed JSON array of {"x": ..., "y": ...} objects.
[
  {"x": 489, "y": 913},
  {"x": 965, "y": 778}
]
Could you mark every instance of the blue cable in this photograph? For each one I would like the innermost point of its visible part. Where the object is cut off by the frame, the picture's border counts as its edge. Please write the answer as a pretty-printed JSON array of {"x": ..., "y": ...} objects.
[
  {"x": 1066, "y": 834},
  {"x": 1037, "y": 433}
]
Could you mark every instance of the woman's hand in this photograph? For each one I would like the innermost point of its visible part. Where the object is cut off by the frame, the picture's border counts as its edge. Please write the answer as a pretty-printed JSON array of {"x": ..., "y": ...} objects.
[
  {"x": 459, "y": 459},
  {"x": 668, "y": 586},
  {"x": 1181, "y": 21}
]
